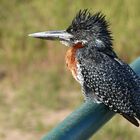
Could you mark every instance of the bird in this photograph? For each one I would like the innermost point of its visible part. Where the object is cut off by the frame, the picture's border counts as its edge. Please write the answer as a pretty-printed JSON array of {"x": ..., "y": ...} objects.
[{"x": 103, "y": 76}]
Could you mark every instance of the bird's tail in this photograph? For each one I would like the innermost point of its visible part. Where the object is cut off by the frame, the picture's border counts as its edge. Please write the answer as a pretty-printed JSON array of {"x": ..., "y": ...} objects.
[
  {"x": 131, "y": 119},
  {"x": 136, "y": 103}
]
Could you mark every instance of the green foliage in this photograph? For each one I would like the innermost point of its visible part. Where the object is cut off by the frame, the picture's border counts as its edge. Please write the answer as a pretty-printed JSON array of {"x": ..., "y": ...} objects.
[{"x": 33, "y": 78}]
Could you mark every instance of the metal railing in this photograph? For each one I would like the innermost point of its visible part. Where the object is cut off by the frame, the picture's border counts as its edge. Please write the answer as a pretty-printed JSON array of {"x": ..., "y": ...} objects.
[{"x": 86, "y": 120}]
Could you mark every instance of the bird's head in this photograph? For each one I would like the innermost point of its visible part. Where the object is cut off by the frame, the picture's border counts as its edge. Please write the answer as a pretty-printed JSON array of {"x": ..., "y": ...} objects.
[{"x": 86, "y": 28}]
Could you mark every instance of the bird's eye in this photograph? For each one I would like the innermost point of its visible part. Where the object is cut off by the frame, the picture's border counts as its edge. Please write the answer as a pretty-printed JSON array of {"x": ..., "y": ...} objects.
[{"x": 71, "y": 30}]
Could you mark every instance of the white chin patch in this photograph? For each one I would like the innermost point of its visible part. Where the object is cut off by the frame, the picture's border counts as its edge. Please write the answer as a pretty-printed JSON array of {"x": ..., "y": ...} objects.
[
  {"x": 82, "y": 41},
  {"x": 66, "y": 43},
  {"x": 75, "y": 42}
]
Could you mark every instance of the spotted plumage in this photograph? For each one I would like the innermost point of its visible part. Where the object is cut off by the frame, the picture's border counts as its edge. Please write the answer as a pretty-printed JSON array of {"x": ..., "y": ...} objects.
[{"x": 104, "y": 77}]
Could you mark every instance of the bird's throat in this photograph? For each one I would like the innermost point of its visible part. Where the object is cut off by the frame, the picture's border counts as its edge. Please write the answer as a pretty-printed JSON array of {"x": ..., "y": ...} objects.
[{"x": 71, "y": 60}]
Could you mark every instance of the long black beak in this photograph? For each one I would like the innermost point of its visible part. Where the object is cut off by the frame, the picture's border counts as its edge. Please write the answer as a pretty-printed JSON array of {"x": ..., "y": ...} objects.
[{"x": 53, "y": 35}]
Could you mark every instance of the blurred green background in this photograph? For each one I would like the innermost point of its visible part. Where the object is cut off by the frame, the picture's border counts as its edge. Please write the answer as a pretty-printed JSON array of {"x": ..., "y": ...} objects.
[{"x": 36, "y": 89}]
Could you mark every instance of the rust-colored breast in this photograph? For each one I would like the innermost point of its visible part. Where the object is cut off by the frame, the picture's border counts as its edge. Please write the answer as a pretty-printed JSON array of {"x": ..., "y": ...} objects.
[{"x": 71, "y": 60}]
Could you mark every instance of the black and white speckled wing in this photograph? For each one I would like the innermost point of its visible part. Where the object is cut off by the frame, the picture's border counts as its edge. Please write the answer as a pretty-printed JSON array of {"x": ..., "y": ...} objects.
[{"x": 113, "y": 83}]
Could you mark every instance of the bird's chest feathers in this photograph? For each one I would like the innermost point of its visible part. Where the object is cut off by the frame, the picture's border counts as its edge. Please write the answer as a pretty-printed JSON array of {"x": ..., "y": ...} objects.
[{"x": 71, "y": 60}]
